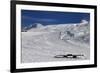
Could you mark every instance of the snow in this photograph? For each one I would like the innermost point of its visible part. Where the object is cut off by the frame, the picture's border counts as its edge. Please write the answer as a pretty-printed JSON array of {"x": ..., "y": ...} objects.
[{"x": 43, "y": 43}]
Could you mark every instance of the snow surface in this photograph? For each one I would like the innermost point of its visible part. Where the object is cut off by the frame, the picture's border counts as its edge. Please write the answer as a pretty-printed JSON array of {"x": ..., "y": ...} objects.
[{"x": 42, "y": 43}]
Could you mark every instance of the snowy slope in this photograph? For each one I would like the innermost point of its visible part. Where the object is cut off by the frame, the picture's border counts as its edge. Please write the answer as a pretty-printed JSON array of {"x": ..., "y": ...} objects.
[{"x": 44, "y": 42}]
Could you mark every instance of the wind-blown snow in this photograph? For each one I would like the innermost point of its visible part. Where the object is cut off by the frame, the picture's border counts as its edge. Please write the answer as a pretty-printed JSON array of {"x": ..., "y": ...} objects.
[{"x": 41, "y": 44}]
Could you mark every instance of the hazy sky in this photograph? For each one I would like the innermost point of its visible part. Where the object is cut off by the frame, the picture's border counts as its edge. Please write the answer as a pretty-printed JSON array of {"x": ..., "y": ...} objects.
[{"x": 29, "y": 17}]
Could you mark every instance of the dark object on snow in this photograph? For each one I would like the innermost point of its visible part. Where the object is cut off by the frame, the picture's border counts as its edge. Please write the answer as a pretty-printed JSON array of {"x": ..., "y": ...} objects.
[
  {"x": 70, "y": 34},
  {"x": 68, "y": 56}
]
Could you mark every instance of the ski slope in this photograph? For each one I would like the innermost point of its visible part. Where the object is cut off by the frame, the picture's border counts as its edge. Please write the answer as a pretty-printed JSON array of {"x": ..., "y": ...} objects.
[{"x": 41, "y": 44}]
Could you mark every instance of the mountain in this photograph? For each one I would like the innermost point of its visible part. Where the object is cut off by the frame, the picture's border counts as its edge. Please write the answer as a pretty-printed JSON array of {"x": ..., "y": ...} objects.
[
  {"x": 77, "y": 32},
  {"x": 32, "y": 26},
  {"x": 42, "y": 43},
  {"x": 38, "y": 25}
]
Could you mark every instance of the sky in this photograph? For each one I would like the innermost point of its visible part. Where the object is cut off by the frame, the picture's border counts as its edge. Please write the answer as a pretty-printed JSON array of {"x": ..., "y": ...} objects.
[{"x": 30, "y": 17}]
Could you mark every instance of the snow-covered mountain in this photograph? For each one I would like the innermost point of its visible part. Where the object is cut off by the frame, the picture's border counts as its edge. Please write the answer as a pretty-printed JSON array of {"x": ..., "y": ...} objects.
[
  {"x": 77, "y": 31},
  {"x": 42, "y": 43},
  {"x": 35, "y": 25}
]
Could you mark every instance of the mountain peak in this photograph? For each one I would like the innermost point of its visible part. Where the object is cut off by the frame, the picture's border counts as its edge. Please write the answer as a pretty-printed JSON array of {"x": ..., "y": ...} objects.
[
  {"x": 38, "y": 25},
  {"x": 84, "y": 22}
]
